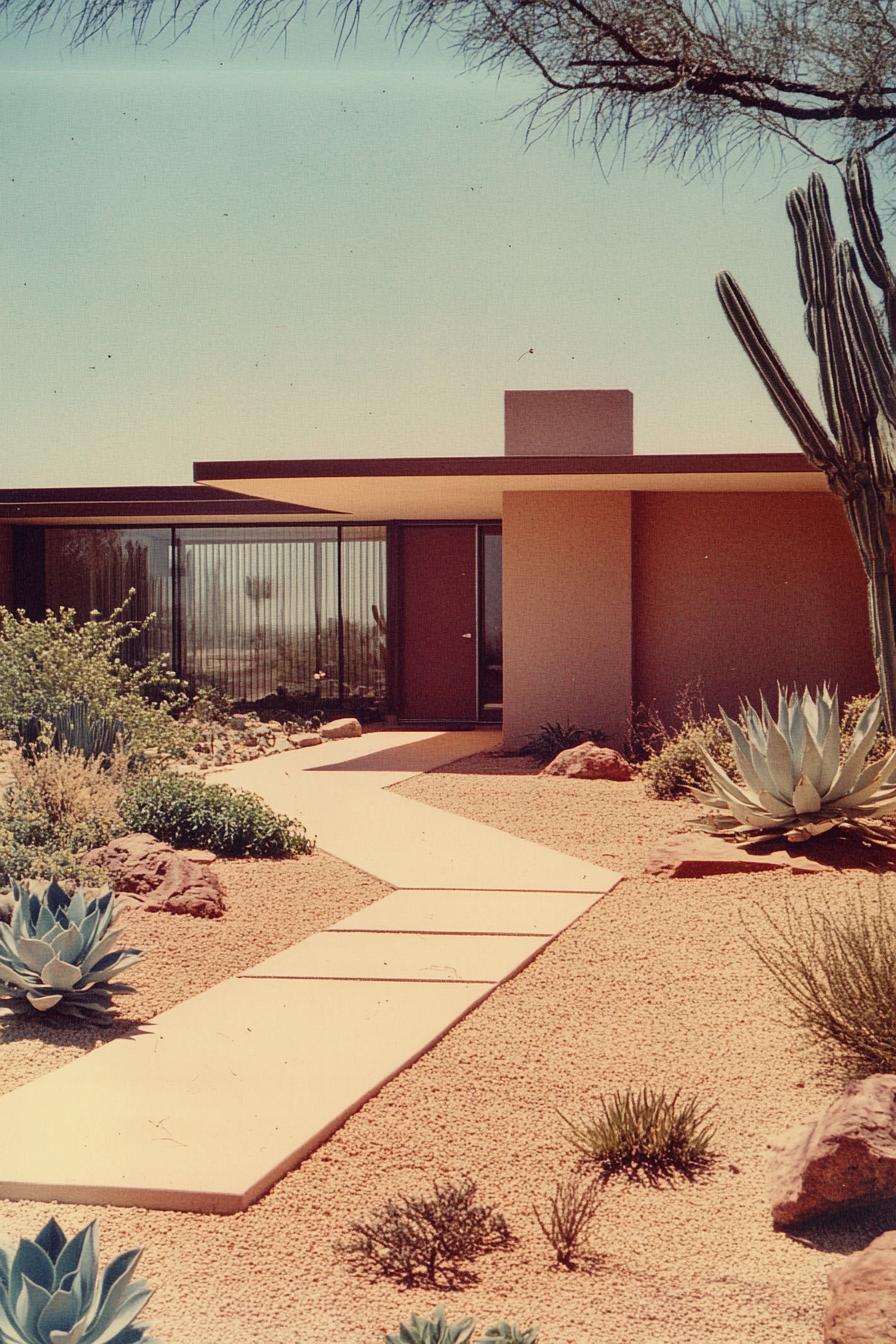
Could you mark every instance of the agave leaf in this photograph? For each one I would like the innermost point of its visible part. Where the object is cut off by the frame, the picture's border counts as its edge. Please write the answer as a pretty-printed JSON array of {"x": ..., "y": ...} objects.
[
  {"x": 59, "y": 974},
  {"x": 10, "y": 1331},
  {"x": 724, "y": 782},
  {"x": 742, "y": 755},
  {"x": 775, "y": 807},
  {"x": 81, "y": 1258},
  {"x": 98, "y": 953},
  {"x": 862, "y": 741},
  {"x": 44, "y": 922},
  {"x": 52, "y": 1239},
  {"x": 43, "y": 1002},
  {"x": 805, "y": 797},
  {"x": 113, "y": 965},
  {"x": 809, "y": 829},
  {"x": 10, "y": 976},
  {"x": 77, "y": 907},
  {"x": 111, "y": 1319},
  {"x": 34, "y": 953},
  {"x": 873, "y": 792},
  {"x": 30, "y": 1303},
  {"x": 781, "y": 765},
  {"x": 60, "y": 1314},
  {"x": 810, "y": 760},
  {"x": 30, "y": 1261},
  {"x": 67, "y": 944}
]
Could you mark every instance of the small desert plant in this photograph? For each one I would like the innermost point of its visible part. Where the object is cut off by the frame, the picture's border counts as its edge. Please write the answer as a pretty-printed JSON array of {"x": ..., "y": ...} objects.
[
  {"x": 56, "y": 953},
  {"x": 436, "y": 1329},
  {"x": 62, "y": 801},
  {"x": 680, "y": 765},
  {"x": 51, "y": 1292},
  {"x": 427, "y": 1238},
  {"x": 646, "y": 1136},
  {"x": 838, "y": 971},
  {"x": 795, "y": 776},
  {"x": 571, "y": 1211},
  {"x": 552, "y": 738},
  {"x": 185, "y": 811}
]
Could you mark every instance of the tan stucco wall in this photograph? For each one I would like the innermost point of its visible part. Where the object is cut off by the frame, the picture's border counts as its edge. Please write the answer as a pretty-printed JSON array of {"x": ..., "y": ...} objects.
[
  {"x": 567, "y": 611},
  {"x": 745, "y": 590},
  {"x": 6, "y": 577}
]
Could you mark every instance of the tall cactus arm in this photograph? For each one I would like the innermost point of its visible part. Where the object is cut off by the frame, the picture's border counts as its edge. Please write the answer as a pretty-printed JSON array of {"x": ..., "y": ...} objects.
[
  {"x": 810, "y": 433},
  {"x": 864, "y": 334},
  {"x": 869, "y": 236},
  {"x": 848, "y": 401}
]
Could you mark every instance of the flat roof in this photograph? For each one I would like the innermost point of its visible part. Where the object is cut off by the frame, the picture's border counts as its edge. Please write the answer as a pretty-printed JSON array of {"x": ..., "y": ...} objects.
[
  {"x": 382, "y": 489},
  {"x": 133, "y": 505},
  {"x": 473, "y": 487}
]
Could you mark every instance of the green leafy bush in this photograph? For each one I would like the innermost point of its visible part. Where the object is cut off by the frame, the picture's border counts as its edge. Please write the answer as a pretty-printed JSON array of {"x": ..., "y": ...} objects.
[
  {"x": 187, "y": 812},
  {"x": 567, "y": 1221},
  {"x": 646, "y": 1136},
  {"x": 837, "y": 970},
  {"x": 51, "y": 1290},
  {"x": 46, "y": 664},
  {"x": 679, "y": 765},
  {"x": 552, "y": 738},
  {"x": 427, "y": 1238}
]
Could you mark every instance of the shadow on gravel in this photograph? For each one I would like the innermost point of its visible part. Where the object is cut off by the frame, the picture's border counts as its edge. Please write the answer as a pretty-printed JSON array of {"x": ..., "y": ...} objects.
[{"x": 847, "y": 1232}]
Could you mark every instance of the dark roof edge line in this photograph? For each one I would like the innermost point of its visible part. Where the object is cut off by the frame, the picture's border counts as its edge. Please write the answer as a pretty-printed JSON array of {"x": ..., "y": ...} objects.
[{"x": 621, "y": 465}]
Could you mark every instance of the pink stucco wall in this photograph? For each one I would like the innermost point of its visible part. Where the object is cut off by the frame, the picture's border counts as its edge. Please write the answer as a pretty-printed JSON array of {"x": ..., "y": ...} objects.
[{"x": 744, "y": 591}]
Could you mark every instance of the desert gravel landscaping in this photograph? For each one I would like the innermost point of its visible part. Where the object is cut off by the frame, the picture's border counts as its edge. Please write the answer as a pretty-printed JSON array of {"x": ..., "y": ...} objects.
[{"x": 654, "y": 985}]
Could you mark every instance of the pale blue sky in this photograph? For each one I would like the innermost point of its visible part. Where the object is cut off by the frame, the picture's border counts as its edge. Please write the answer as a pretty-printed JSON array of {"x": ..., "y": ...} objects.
[{"x": 276, "y": 255}]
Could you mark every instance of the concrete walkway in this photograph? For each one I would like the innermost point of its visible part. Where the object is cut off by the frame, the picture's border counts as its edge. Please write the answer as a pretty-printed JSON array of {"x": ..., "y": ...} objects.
[{"x": 212, "y": 1102}]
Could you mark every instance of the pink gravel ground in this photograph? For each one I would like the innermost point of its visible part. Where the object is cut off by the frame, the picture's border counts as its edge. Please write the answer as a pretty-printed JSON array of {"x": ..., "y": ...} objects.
[{"x": 654, "y": 985}]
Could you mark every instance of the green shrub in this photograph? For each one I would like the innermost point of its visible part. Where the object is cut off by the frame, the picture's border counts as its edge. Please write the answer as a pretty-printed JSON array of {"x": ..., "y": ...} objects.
[
  {"x": 678, "y": 766},
  {"x": 187, "y": 812},
  {"x": 427, "y": 1238},
  {"x": 46, "y": 664},
  {"x": 646, "y": 1136},
  {"x": 23, "y": 862},
  {"x": 838, "y": 973},
  {"x": 571, "y": 1211},
  {"x": 552, "y": 738}
]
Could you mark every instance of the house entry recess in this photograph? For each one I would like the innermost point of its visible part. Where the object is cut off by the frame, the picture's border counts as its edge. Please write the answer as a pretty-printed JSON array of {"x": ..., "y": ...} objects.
[{"x": 449, "y": 636}]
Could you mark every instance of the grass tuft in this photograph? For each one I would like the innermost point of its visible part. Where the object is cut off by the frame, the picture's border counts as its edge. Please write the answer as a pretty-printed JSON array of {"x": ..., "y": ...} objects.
[{"x": 646, "y": 1136}]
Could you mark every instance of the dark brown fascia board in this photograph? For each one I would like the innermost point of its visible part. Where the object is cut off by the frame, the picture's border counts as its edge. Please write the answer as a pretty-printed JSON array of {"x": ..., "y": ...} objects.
[
  {"x": 168, "y": 502},
  {"x": 622, "y": 465}
]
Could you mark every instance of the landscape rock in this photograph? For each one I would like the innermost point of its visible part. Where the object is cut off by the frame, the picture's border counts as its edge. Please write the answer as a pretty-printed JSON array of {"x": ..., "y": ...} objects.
[
  {"x": 845, "y": 1159},
  {"x": 587, "y": 761},
  {"x": 306, "y": 739},
  {"x": 163, "y": 878},
  {"x": 330, "y": 732},
  {"x": 696, "y": 854},
  {"x": 861, "y": 1306}
]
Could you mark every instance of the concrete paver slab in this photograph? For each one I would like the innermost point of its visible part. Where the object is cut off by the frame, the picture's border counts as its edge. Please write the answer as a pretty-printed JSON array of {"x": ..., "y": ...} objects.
[
  {"x": 401, "y": 956},
  {"x": 207, "y": 1107},
  {"x": 489, "y": 912}
]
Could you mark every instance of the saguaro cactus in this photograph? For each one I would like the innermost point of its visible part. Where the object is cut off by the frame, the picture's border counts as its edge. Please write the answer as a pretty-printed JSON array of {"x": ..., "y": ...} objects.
[{"x": 855, "y": 352}]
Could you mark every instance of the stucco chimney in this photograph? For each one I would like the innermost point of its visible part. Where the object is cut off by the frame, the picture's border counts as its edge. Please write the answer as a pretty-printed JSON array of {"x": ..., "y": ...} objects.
[{"x": 568, "y": 424}]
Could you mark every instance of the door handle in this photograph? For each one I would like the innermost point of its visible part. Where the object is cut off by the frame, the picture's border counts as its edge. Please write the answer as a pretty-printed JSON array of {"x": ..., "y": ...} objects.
[{"x": 467, "y": 636}]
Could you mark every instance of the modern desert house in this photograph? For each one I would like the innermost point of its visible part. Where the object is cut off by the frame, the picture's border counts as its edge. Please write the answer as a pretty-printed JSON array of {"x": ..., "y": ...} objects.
[{"x": 568, "y": 578}]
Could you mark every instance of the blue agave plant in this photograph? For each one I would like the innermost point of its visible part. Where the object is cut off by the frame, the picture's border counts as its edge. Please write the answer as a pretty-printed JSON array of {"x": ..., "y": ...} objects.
[
  {"x": 50, "y": 1292},
  {"x": 57, "y": 953}
]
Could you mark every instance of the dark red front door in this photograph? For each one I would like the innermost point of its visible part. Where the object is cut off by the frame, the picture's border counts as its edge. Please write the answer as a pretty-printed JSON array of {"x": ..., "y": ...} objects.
[{"x": 438, "y": 623}]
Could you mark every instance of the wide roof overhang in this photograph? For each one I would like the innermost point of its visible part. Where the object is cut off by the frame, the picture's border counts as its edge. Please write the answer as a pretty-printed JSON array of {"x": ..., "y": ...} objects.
[{"x": 441, "y": 488}]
